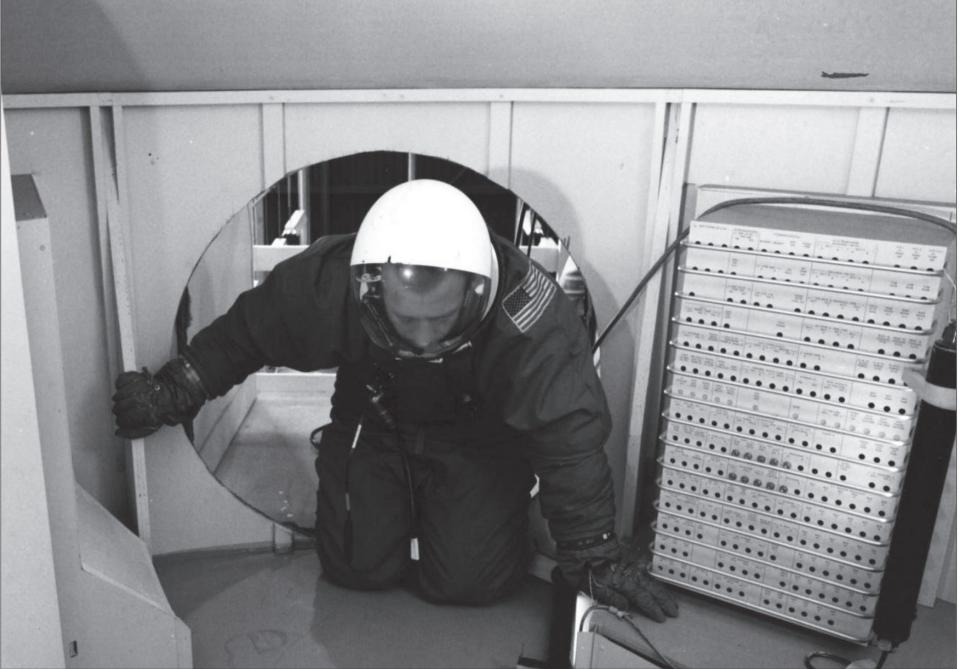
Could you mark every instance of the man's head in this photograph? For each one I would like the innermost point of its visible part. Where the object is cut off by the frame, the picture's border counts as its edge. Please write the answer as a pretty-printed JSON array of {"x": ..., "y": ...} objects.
[
  {"x": 423, "y": 269},
  {"x": 423, "y": 304}
]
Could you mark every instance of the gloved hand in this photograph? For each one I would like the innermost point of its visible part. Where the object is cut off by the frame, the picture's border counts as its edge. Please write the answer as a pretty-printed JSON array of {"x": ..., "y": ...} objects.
[
  {"x": 143, "y": 402},
  {"x": 626, "y": 584},
  {"x": 615, "y": 575}
]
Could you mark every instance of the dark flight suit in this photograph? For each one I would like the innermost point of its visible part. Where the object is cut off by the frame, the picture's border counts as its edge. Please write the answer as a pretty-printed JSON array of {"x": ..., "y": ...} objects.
[{"x": 470, "y": 430}]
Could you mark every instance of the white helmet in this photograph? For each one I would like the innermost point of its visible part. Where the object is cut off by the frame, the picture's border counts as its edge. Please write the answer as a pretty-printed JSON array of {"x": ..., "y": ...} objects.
[{"x": 423, "y": 269}]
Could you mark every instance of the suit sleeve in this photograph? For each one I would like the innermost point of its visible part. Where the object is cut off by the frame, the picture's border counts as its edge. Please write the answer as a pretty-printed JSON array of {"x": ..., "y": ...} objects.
[
  {"x": 296, "y": 318},
  {"x": 554, "y": 397}
]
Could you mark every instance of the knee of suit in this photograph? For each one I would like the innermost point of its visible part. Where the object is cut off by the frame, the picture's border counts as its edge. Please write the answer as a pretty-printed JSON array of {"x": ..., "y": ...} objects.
[
  {"x": 354, "y": 580},
  {"x": 466, "y": 585},
  {"x": 338, "y": 572}
]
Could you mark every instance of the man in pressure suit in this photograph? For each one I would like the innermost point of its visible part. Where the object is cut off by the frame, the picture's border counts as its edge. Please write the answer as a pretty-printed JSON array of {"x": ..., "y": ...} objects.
[{"x": 462, "y": 371}]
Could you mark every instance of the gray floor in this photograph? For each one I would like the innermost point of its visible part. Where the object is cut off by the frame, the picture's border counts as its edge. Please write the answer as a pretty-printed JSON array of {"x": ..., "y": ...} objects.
[{"x": 267, "y": 610}]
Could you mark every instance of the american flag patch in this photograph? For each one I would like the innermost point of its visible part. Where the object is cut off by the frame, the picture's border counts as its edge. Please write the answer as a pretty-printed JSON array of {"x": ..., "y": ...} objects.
[{"x": 526, "y": 303}]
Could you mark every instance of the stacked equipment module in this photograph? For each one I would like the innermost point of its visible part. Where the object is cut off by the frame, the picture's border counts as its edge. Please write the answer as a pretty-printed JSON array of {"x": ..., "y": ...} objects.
[{"x": 786, "y": 421}]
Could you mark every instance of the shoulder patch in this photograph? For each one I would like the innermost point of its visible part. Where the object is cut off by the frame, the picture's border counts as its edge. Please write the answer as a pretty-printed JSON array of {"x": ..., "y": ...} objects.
[{"x": 525, "y": 304}]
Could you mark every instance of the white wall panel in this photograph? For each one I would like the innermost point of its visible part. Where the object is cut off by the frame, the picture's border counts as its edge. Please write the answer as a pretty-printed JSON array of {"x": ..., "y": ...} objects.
[
  {"x": 54, "y": 146},
  {"x": 919, "y": 160},
  {"x": 765, "y": 146},
  {"x": 454, "y": 131},
  {"x": 585, "y": 168},
  {"x": 188, "y": 170}
]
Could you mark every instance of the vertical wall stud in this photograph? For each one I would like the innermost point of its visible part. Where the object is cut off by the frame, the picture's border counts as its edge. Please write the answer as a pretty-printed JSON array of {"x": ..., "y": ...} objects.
[
  {"x": 411, "y": 166},
  {"x": 102, "y": 185},
  {"x": 671, "y": 143},
  {"x": 116, "y": 196},
  {"x": 498, "y": 154},
  {"x": 273, "y": 143},
  {"x": 867, "y": 150}
]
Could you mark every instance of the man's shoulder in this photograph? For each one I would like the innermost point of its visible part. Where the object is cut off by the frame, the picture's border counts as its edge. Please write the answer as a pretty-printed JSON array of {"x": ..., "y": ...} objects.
[
  {"x": 326, "y": 247},
  {"x": 324, "y": 262},
  {"x": 529, "y": 301},
  {"x": 326, "y": 250}
]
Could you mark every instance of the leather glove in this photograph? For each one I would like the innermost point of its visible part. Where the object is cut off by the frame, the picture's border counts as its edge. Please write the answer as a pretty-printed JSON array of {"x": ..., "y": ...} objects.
[
  {"x": 144, "y": 402},
  {"x": 614, "y": 574},
  {"x": 627, "y": 584}
]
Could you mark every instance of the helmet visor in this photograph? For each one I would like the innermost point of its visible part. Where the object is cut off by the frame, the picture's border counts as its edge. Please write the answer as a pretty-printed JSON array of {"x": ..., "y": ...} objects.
[{"x": 418, "y": 311}]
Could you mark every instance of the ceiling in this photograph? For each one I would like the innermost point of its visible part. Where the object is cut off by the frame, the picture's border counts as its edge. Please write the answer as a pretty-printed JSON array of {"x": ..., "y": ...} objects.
[{"x": 56, "y": 46}]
